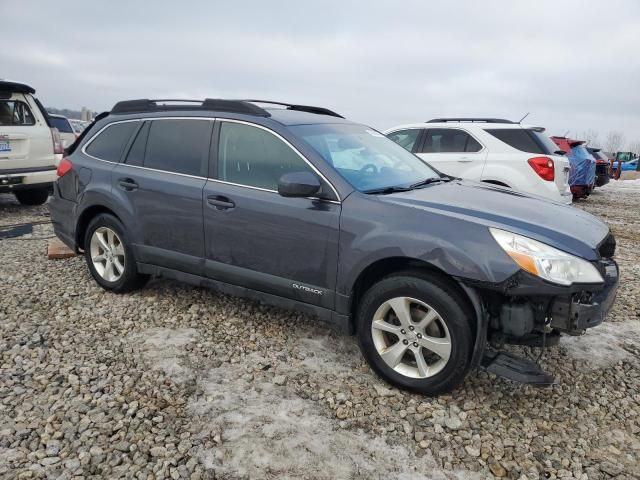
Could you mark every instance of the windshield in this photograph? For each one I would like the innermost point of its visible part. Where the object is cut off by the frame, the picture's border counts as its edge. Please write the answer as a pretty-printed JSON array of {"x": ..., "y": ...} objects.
[
  {"x": 365, "y": 158},
  {"x": 62, "y": 124}
]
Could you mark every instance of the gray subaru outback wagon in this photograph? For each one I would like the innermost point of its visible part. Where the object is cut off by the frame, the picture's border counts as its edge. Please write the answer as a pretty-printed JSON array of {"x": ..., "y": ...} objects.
[{"x": 296, "y": 206}]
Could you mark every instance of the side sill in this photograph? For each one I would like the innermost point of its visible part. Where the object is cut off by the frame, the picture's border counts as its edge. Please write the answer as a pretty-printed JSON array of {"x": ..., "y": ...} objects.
[{"x": 339, "y": 322}]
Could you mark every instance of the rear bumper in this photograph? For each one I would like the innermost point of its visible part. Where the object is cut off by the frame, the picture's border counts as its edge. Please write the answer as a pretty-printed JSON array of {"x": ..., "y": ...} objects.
[
  {"x": 26, "y": 178},
  {"x": 63, "y": 218}
]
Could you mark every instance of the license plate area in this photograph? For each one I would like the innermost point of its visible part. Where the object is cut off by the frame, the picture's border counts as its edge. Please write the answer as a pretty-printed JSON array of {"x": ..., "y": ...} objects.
[{"x": 5, "y": 147}]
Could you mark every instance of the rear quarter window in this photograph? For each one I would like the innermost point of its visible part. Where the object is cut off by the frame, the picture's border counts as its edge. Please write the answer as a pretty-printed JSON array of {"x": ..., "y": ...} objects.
[
  {"x": 522, "y": 139},
  {"x": 109, "y": 144}
]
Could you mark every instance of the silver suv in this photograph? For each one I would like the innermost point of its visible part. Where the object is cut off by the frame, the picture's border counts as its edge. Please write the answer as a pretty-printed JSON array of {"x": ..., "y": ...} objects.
[{"x": 30, "y": 148}]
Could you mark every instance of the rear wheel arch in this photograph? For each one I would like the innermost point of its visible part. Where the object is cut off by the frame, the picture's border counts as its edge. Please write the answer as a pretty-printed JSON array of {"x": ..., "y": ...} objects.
[{"x": 85, "y": 218}]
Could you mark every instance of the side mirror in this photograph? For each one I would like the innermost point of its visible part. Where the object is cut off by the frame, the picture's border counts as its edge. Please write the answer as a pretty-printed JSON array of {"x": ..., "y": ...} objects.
[{"x": 298, "y": 184}]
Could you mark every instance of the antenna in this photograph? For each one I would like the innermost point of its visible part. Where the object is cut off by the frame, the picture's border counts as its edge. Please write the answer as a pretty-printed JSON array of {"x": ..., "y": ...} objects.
[
  {"x": 566, "y": 133},
  {"x": 526, "y": 115}
]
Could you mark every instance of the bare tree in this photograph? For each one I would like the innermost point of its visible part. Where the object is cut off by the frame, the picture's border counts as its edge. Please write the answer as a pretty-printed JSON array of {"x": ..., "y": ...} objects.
[
  {"x": 634, "y": 146},
  {"x": 614, "y": 141},
  {"x": 590, "y": 136}
]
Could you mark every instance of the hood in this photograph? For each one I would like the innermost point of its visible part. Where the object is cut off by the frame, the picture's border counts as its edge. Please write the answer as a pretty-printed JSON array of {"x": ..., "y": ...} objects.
[{"x": 563, "y": 227}]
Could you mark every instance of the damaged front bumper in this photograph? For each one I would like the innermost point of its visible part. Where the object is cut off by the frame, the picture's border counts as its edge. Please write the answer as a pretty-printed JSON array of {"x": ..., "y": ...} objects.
[
  {"x": 534, "y": 313},
  {"x": 575, "y": 313}
]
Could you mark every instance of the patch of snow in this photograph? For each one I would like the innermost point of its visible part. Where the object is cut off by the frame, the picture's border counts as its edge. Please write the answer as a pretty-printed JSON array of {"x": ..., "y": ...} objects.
[
  {"x": 161, "y": 347},
  {"x": 604, "y": 345},
  {"x": 269, "y": 432},
  {"x": 329, "y": 354},
  {"x": 627, "y": 185}
]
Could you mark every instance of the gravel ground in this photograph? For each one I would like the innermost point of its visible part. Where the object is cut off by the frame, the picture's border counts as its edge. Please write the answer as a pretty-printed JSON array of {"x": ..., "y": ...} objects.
[{"x": 179, "y": 382}]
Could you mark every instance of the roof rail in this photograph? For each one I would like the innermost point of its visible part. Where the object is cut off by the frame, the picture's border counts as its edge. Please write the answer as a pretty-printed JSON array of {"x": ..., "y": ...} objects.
[
  {"x": 162, "y": 105},
  {"x": 470, "y": 119},
  {"x": 300, "y": 108},
  {"x": 216, "y": 104}
]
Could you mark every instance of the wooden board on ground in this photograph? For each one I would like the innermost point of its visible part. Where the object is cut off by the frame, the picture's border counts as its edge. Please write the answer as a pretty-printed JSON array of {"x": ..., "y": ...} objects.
[{"x": 56, "y": 250}]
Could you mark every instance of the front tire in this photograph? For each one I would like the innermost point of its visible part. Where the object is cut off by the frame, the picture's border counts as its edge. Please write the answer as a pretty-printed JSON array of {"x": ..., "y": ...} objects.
[
  {"x": 110, "y": 257},
  {"x": 32, "y": 196},
  {"x": 414, "y": 332}
]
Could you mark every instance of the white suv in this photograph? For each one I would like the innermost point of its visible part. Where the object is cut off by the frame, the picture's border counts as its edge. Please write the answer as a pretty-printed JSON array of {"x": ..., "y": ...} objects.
[
  {"x": 490, "y": 150},
  {"x": 30, "y": 148}
]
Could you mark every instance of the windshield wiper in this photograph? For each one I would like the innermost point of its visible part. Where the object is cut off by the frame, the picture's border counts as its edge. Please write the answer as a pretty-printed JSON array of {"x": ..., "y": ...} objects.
[
  {"x": 387, "y": 190},
  {"x": 429, "y": 181}
]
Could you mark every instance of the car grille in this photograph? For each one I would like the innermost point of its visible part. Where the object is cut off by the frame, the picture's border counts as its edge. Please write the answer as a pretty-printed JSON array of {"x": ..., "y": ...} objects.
[
  {"x": 602, "y": 169},
  {"x": 608, "y": 247}
]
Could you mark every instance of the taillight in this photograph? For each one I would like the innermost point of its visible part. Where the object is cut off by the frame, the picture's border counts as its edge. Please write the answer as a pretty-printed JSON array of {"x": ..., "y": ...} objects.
[
  {"x": 64, "y": 167},
  {"x": 544, "y": 167},
  {"x": 58, "y": 148}
]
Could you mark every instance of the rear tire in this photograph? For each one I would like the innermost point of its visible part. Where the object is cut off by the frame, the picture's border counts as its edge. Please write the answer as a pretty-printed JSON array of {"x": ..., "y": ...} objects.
[
  {"x": 33, "y": 196},
  {"x": 398, "y": 347},
  {"x": 110, "y": 257}
]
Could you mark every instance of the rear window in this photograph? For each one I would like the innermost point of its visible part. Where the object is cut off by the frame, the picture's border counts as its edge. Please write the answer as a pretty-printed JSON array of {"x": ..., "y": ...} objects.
[
  {"x": 15, "y": 113},
  {"x": 109, "y": 144},
  {"x": 524, "y": 139},
  {"x": 62, "y": 124}
]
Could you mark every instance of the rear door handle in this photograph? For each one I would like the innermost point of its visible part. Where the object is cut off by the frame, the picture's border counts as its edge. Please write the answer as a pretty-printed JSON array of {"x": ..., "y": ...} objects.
[
  {"x": 465, "y": 159},
  {"x": 220, "y": 202},
  {"x": 127, "y": 184}
]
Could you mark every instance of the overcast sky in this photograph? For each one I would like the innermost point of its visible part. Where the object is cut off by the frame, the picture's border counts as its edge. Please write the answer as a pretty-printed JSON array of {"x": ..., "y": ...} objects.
[{"x": 575, "y": 65}]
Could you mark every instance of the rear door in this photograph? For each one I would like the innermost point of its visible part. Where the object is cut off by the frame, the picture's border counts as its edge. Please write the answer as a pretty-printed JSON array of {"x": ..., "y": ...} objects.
[
  {"x": 25, "y": 137},
  {"x": 161, "y": 182},
  {"x": 453, "y": 151}
]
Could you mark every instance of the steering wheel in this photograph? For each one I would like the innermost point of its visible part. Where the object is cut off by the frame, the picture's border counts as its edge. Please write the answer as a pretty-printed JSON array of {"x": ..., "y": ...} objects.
[{"x": 369, "y": 167}]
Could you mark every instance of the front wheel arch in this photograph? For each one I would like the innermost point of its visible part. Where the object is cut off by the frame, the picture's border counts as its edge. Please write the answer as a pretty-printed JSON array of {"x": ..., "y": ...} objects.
[{"x": 383, "y": 268}]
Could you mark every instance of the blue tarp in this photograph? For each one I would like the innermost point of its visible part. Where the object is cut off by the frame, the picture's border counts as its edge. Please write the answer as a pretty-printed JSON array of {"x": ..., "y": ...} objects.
[{"x": 583, "y": 166}]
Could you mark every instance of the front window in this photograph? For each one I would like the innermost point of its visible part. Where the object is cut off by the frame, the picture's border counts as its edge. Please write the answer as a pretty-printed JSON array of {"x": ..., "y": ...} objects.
[
  {"x": 255, "y": 157},
  {"x": 364, "y": 157}
]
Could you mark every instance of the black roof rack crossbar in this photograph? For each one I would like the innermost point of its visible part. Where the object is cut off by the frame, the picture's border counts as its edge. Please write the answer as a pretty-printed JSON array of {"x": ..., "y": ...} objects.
[
  {"x": 301, "y": 108},
  {"x": 470, "y": 119},
  {"x": 160, "y": 105}
]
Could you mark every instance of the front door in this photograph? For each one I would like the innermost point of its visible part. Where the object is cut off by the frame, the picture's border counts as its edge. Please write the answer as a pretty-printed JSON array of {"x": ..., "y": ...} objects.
[
  {"x": 258, "y": 239},
  {"x": 161, "y": 182}
]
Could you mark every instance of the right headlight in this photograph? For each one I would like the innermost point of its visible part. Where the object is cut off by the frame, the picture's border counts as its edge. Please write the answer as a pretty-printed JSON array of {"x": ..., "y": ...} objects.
[{"x": 545, "y": 261}]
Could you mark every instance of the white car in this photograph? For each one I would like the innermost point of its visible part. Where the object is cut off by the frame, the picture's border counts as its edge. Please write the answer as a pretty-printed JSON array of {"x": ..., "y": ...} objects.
[
  {"x": 78, "y": 125},
  {"x": 30, "y": 148},
  {"x": 67, "y": 133},
  {"x": 490, "y": 150}
]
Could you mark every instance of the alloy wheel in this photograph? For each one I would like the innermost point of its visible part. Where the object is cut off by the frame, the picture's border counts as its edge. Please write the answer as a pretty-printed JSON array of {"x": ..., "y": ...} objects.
[
  {"x": 411, "y": 337},
  {"x": 107, "y": 254}
]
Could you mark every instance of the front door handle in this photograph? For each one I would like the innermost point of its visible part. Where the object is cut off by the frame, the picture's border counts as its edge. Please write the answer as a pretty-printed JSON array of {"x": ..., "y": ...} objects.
[
  {"x": 127, "y": 184},
  {"x": 220, "y": 202},
  {"x": 465, "y": 159}
]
